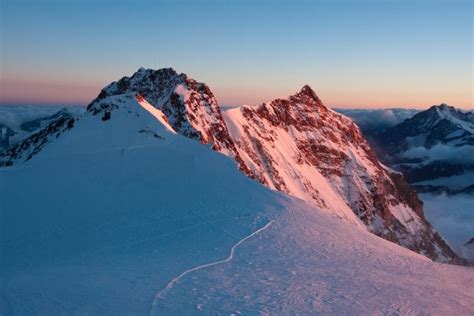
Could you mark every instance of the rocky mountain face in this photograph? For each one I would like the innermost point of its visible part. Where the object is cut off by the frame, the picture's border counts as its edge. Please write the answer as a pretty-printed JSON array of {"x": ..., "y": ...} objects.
[
  {"x": 297, "y": 146},
  {"x": 432, "y": 148}
]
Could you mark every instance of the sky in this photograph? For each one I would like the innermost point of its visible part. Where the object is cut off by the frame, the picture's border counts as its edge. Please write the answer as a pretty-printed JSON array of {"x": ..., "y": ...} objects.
[{"x": 354, "y": 54}]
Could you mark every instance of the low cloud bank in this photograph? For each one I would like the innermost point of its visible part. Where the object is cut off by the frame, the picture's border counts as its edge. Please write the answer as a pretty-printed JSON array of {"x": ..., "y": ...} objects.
[
  {"x": 464, "y": 154},
  {"x": 14, "y": 116},
  {"x": 452, "y": 217},
  {"x": 378, "y": 119}
]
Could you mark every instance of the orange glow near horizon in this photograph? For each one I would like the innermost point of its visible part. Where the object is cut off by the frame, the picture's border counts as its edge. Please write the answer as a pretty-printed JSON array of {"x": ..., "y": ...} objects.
[
  {"x": 34, "y": 92},
  {"x": 66, "y": 92}
]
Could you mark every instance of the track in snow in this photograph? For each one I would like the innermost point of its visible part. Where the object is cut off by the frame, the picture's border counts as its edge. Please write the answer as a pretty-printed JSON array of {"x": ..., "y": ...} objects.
[{"x": 229, "y": 258}]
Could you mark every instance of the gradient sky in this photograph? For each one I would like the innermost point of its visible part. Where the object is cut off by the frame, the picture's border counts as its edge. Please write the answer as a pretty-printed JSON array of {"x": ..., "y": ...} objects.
[{"x": 363, "y": 53}]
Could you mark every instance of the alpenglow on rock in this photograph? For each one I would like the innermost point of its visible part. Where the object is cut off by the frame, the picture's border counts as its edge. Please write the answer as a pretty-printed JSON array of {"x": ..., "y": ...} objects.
[{"x": 299, "y": 146}]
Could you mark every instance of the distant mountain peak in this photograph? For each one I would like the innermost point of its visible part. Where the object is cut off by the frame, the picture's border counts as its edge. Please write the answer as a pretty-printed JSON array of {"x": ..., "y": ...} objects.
[{"x": 442, "y": 108}]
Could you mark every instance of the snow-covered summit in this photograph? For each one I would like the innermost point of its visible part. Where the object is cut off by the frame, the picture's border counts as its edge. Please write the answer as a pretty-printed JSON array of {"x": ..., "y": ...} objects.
[{"x": 189, "y": 106}]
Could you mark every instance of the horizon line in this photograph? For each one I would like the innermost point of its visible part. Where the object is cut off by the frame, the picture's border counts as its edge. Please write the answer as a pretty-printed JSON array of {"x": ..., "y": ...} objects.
[{"x": 228, "y": 106}]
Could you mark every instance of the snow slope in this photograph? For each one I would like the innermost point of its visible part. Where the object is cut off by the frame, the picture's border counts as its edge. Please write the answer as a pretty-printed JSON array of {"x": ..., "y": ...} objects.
[
  {"x": 122, "y": 216},
  {"x": 298, "y": 267},
  {"x": 114, "y": 209}
]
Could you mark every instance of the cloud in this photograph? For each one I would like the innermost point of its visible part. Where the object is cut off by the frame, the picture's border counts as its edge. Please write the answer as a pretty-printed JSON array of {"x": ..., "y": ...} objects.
[
  {"x": 14, "y": 116},
  {"x": 452, "y": 217},
  {"x": 369, "y": 119},
  {"x": 463, "y": 154}
]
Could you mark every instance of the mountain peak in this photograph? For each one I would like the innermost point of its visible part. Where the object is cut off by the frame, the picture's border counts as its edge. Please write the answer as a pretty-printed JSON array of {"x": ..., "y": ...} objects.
[
  {"x": 189, "y": 106},
  {"x": 141, "y": 72},
  {"x": 443, "y": 107},
  {"x": 455, "y": 115},
  {"x": 307, "y": 93},
  {"x": 306, "y": 89}
]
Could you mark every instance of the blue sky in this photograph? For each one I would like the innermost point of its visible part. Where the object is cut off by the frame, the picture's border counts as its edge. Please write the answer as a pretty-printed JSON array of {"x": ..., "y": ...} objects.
[{"x": 353, "y": 53}]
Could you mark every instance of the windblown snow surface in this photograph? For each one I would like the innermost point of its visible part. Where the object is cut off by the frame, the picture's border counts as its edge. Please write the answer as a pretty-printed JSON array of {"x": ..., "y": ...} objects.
[{"x": 123, "y": 216}]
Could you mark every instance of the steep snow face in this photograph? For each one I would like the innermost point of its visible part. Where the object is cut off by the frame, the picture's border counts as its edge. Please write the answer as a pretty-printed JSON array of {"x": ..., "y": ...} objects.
[
  {"x": 190, "y": 107},
  {"x": 122, "y": 216},
  {"x": 300, "y": 147}
]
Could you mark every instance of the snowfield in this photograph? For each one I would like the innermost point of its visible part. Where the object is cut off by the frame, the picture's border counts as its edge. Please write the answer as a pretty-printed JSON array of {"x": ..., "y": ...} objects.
[{"x": 122, "y": 216}]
